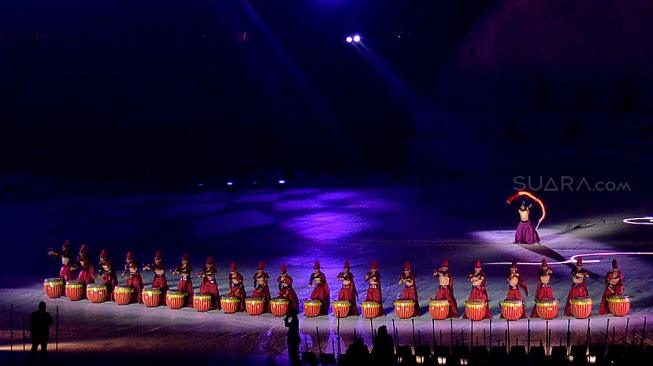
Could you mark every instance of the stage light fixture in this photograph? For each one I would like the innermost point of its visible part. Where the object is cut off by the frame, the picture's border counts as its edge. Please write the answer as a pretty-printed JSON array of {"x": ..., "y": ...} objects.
[
  {"x": 349, "y": 39},
  {"x": 282, "y": 181},
  {"x": 357, "y": 38},
  {"x": 230, "y": 183}
]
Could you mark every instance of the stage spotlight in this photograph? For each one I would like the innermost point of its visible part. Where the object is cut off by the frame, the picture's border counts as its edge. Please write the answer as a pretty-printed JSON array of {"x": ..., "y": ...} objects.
[
  {"x": 230, "y": 183},
  {"x": 357, "y": 38},
  {"x": 349, "y": 39},
  {"x": 282, "y": 181}
]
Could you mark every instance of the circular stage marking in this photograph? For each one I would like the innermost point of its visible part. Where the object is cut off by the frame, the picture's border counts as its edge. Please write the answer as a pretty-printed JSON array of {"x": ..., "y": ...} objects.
[
  {"x": 573, "y": 258},
  {"x": 639, "y": 221}
]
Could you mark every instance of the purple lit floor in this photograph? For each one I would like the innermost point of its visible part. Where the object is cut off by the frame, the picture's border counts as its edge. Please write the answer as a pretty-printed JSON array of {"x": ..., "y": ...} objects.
[{"x": 297, "y": 226}]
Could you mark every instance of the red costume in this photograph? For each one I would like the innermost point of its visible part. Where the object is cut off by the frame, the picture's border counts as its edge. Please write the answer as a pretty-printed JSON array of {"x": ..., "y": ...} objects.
[
  {"x": 261, "y": 288},
  {"x": 348, "y": 290},
  {"x": 86, "y": 274},
  {"x": 409, "y": 292},
  {"x": 445, "y": 288},
  {"x": 613, "y": 286},
  {"x": 544, "y": 289},
  {"x": 107, "y": 273},
  {"x": 479, "y": 291},
  {"x": 237, "y": 287},
  {"x": 209, "y": 285},
  {"x": 159, "y": 281},
  {"x": 374, "y": 289},
  {"x": 185, "y": 284},
  {"x": 286, "y": 291},
  {"x": 135, "y": 281},
  {"x": 128, "y": 260},
  {"x": 320, "y": 288},
  {"x": 514, "y": 284},
  {"x": 65, "y": 272},
  {"x": 578, "y": 287}
]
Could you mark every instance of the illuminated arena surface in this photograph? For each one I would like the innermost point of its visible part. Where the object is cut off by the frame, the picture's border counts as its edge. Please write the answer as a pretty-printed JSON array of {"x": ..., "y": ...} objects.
[{"x": 297, "y": 226}]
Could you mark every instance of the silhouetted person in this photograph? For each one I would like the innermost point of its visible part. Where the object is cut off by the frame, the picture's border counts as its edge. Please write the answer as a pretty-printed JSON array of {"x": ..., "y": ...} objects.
[
  {"x": 383, "y": 350},
  {"x": 357, "y": 353},
  {"x": 292, "y": 323},
  {"x": 40, "y": 330}
]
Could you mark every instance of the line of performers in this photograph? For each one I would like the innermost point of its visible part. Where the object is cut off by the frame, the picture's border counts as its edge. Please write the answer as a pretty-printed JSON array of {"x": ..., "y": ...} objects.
[{"x": 320, "y": 288}]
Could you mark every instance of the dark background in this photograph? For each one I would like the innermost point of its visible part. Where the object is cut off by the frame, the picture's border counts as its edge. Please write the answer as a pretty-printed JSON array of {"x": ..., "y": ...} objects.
[{"x": 211, "y": 89}]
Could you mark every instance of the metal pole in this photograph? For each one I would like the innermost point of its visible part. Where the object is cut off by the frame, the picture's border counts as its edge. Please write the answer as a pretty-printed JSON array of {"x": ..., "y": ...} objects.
[
  {"x": 528, "y": 337},
  {"x": 451, "y": 333},
  {"x": 490, "y": 333},
  {"x": 484, "y": 340},
  {"x": 394, "y": 331},
  {"x": 433, "y": 333},
  {"x": 319, "y": 344},
  {"x": 546, "y": 335},
  {"x": 607, "y": 331},
  {"x": 372, "y": 328},
  {"x": 568, "y": 334},
  {"x": 508, "y": 333},
  {"x": 471, "y": 333},
  {"x": 627, "y": 324},
  {"x": 588, "y": 335},
  {"x": 414, "y": 342}
]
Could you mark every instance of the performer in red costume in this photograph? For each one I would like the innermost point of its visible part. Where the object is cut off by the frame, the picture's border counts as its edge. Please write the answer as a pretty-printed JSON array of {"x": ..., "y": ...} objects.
[
  {"x": 544, "y": 289},
  {"x": 578, "y": 286},
  {"x": 86, "y": 274},
  {"x": 445, "y": 288},
  {"x": 107, "y": 274},
  {"x": 236, "y": 286},
  {"x": 65, "y": 272},
  {"x": 409, "y": 292},
  {"x": 159, "y": 281},
  {"x": 479, "y": 291},
  {"x": 515, "y": 282},
  {"x": 320, "y": 288},
  {"x": 129, "y": 258},
  {"x": 209, "y": 285},
  {"x": 185, "y": 285},
  {"x": 348, "y": 290},
  {"x": 374, "y": 279},
  {"x": 286, "y": 291},
  {"x": 261, "y": 288},
  {"x": 135, "y": 281},
  {"x": 613, "y": 286}
]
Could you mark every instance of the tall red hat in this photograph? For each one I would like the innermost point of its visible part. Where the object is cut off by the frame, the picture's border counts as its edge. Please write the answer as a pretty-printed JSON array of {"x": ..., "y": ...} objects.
[
  {"x": 615, "y": 264},
  {"x": 261, "y": 265},
  {"x": 209, "y": 260},
  {"x": 104, "y": 254},
  {"x": 130, "y": 256},
  {"x": 346, "y": 264},
  {"x": 544, "y": 262},
  {"x": 284, "y": 268},
  {"x": 579, "y": 261},
  {"x": 477, "y": 264},
  {"x": 407, "y": 265},
  {"x": 83, "y": 249},
  {"x": 316, "y": 265},
  {"x": 233, "y": 266},
  {"x": 66, "y": 244},
  {"x": 157, "y": 255},
  {"x": 445, "y": 263},
  {"x": 374, "y": 265},
  {"x": 185, "y": 257},
  {"x": 133, "y": 264}
]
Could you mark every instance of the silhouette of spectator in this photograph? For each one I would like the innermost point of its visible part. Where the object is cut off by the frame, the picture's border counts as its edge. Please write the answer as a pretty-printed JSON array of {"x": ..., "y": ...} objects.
[
  {"x": 383, "y": 352},
  {"x": 292, "y": 323},
  {"x": 40, "y": 330},
  {"x": 357, "y": 353}
]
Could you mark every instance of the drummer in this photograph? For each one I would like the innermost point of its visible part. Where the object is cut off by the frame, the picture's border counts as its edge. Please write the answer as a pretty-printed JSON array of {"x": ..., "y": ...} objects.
[
  {"x": 613, "y": 287},
  {"x": 185, "y": 285},
  {"x": 129, "y": 258},
  {"x": 515, "y": 282},
  {"x": 320, "y": 288},
  {"x": 286, "y": 291},
  {"x": 135, "y": 281},
  {"x": 86, "y": 274},
  {"x": 374, "y": 279},
  {"x": 445, "y": 288},
  {"x": 236, "y": 286},
  {"x": 261, "y": 288},
  {"x": 544, "y": 289},
  {"x": 209, "y": 285},
  {"x": 65, "y": 272},
  {"x": 107, "y": 273},
  {"x": 578, "y": 287},
  {"x": 348, "y": 290},
  {"x": 479, "y": 290},
  {"x": 409, "y": 292},
  {"x": 159, "y": 281}
]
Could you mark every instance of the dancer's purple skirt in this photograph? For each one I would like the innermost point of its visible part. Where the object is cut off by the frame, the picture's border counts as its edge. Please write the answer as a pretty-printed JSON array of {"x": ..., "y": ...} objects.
[{"x": 526, "y": 233}]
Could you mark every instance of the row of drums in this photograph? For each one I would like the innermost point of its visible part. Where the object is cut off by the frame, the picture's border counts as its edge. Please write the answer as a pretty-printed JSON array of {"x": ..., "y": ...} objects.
[{"x": 122, "y": 295}]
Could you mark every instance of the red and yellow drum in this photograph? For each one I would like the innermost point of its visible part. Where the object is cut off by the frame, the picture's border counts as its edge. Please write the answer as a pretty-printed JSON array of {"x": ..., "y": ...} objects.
[
  {"x": 96, "y": 293},
  {"x": 371, "y": 309},
  {"x": 152, "y": 297},
  {"x": 312, "y": 307},
  {"x": 202, "y": 302},
  {"x": 404, "y": 308},
  {"x": 254, "y": 306},
  {"x": 123, "y": 295},
  {"x": 619, "y": 305},
  {"x": 341, "y": 308},
  {"x": 229, "y": 304},
  {"x": 581, "y": 307},
  {"x": 512, "y": 309},
  {"x": 175, "y": 299},
  {"x": 279, "y": 307},
  {"x": 53, "y": 287},
  {"x": 475, "y": 309},
  {"x": 74, "y": 290},
  {"x": 439, "y": 309},
  {"x": 547, "y": 309}
]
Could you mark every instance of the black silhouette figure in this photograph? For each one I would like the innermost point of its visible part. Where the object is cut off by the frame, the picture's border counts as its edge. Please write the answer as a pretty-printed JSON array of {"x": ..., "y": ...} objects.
[
  {"x": 40, "y": 322},
  {"x": 383, "y": 352},
  {"x": 292, "y": 323}
]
